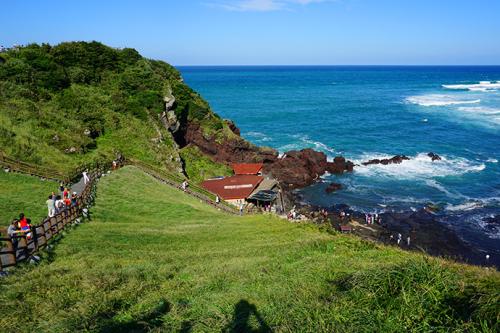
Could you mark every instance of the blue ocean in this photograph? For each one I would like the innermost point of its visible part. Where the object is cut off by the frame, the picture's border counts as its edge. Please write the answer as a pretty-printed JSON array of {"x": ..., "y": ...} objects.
[{"x": 366, "y": 112}]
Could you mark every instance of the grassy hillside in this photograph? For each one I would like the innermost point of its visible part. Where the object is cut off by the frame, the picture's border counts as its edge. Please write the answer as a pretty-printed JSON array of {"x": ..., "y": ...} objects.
[
  {"x": 155, "y": 260},
  {"x": 21, "y": 193},
  {"x": 78, "y": 102}
]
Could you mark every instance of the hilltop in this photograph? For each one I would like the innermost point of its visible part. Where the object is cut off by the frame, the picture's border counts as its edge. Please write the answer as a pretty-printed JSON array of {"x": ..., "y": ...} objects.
[{"x": 76, "y": 103}]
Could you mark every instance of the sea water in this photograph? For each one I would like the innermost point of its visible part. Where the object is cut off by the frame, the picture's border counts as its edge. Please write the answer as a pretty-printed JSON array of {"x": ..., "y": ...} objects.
[{"x": 365, "y": 112}]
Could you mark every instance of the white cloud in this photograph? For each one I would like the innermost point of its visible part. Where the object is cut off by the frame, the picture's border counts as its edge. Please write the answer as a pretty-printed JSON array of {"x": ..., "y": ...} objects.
[{"x": 261, "y": 5}]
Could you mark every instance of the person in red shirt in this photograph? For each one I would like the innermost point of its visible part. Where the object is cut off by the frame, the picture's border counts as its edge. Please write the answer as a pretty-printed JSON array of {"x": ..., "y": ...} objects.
[{"x": 23, "y": 223}]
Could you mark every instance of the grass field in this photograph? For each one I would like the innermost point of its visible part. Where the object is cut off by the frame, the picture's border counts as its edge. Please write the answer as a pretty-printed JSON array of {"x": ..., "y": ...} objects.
[
  {"x": 153, "y": 259},
  {"x": 21, "y": 193}
]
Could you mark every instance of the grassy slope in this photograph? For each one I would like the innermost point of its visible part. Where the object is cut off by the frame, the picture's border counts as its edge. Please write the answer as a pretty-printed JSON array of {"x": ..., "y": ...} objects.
[
  {"x": 155, "y": 259},
  {"x": 21, "y": 193}
]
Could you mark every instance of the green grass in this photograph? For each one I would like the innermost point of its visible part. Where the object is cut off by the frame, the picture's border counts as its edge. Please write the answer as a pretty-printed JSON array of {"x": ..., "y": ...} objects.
[
  {"x": 153, "y": 259},
  {"x": 21, "y": 193},
  {"x": 200, "y": 167}
]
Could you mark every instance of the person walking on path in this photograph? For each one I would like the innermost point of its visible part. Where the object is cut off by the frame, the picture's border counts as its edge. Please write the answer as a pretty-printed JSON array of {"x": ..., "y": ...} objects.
[
  {"x": 217, "y": 199},
  {"x": 51, "y": 206},
  {"x": 86, "y": 178},
  {"x": 241, "y": 209}
]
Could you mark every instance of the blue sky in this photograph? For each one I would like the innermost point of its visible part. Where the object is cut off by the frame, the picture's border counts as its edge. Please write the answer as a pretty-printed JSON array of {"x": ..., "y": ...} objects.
[{"x": 269, "y": 32}]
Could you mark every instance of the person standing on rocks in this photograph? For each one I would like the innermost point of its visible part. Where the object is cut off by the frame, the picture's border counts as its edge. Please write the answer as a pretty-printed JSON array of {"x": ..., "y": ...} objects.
[
  {"x": 408, "y": 241},
  {"x": 399, "y": 238}
]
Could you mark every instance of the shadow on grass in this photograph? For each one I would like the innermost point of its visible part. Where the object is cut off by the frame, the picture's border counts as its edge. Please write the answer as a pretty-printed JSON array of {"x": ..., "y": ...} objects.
[
  {"x": 145, "y": 323},
  {"x": 243, "y": 312}
]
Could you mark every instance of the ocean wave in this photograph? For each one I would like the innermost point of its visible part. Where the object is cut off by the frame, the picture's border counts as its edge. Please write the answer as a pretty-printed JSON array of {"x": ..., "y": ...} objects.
[
  {"x": 466, "y": 206},
  {"x": 491, "y": 160},
  {"x": 419, "y": 166},
  {"x": 483, "y": 86},
  {"x": 258, "y": 136},
  {"x": 306, "y": 142},
  {"x": 439, "y": 100},
  {"x": 480, "y": 110}
]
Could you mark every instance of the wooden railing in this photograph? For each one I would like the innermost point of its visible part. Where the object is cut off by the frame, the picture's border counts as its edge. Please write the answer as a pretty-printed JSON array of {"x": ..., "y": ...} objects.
[
  {"x": 44, "y": 172},
  {"x": 11, "y": 253},
  {"x": 175, "y": 180}
]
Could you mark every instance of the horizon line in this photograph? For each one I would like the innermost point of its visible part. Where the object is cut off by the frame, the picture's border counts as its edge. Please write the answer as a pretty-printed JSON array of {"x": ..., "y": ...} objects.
[{"x": 342, "y": 65}]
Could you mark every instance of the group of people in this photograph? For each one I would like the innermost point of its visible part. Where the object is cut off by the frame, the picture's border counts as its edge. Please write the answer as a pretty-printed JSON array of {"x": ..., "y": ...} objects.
[
  {"x": 373, "y": 218},
  {"x": 399, "y": 239},
  {"x": 19, "y": 227},
  {"x": 61, "y": 202}
]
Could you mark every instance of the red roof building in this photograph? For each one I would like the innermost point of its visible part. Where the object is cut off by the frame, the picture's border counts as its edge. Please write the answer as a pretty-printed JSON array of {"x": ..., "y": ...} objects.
[
  {"x": 247, "y": 168},
  {"x": 233, "y": 188}
]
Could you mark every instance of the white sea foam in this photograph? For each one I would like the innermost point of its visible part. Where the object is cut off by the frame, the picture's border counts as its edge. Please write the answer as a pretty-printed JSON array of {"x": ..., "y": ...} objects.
[
  {"x": 491, "y": 160},
  {"x": 480, "y": 110},
  {"x": 483, "y": 86},
  {"x": 259, "y": 136},
  {"x": 435, "y": 184},
  {"x": 419, "y": 166},
  {"x": 306, "y": 142},
  {"x": 466, "y": 206},
  {"x": 439, "y": 100}
]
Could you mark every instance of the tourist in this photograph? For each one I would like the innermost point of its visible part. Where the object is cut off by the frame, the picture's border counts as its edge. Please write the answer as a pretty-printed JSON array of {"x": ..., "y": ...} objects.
[
  {"x": 65, "y": 193},
  {"x": 114, "y": 165},
  {"x": 59, "y": 204},
  {"x": 24, "y": 225},
  {"x": 241, "y": 209},
  {"x": 51, "y": 206},
  {"x": 400, "y": 237},
  {"x": 391, "y": 238},
  {"x": 408, "y": 241},
  {"x": 61, "y": 188},
  {"x": 86, "y": 178},
  {"x": 13, "y": 231},
  {"x": 74, "y": 200},
  {"x": 217, "y": 199}
]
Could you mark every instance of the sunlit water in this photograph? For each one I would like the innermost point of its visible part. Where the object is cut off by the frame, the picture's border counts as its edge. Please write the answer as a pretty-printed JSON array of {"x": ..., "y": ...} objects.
[{"x": 371, "y": 112}]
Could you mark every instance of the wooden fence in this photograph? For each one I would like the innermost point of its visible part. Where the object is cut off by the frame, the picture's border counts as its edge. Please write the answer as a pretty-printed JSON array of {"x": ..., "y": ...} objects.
[{"x": 20, "y": 248}]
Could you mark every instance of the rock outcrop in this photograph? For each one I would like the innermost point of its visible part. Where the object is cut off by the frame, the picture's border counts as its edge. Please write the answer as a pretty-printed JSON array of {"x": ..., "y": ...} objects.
[
  {"x": 398, "y": 159},
  {"x": 297, "y": 169},
  {"x": 434, "y": 156}
]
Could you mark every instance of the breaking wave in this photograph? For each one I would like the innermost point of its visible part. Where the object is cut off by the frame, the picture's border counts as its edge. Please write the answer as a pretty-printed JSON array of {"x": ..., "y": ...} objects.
[
  {"x": 439, "y": 100},
  {"x": 483, "y": 86},
  {"x": 305, "y": 142},
  {"x": 419, "y": 166}
]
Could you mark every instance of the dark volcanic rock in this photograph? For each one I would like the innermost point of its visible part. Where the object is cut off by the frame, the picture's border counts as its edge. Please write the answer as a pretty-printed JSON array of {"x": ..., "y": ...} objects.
[
  {"x": 298, "y": 168},
  {"x": 398, "y": 159},
  {"x": 434, "y": 156},
  {"x": 339, "y": 165},
  {"x": 236, "y": 150},
  {"x": 295, "y": 169},
  {"x": 232, "y": 127},
  {"x": 333, "y": 187}
]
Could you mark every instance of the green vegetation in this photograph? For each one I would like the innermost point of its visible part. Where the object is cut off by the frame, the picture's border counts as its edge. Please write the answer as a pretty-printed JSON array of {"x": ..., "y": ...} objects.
[
  {"x": 153, "y": 259},
  {"x": 74, "y": 103},
  {"x": 21, "y": 193},
  {"x": 200, "y": 167}
]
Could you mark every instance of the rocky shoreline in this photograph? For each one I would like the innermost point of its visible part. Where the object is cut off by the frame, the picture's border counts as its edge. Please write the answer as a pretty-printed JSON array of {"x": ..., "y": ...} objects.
[{"x": 298, "y": 169}]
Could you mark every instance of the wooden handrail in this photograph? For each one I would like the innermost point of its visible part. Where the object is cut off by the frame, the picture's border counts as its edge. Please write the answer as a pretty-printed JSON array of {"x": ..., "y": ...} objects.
[{"x": 20, "y": 248}]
